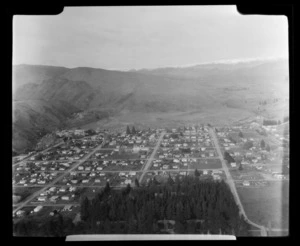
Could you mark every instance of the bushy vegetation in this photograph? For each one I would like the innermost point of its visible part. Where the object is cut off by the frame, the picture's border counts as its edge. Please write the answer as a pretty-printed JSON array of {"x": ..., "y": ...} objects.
[
  {"x": 248, "y": 145},
  {"x": 228, "y": 157}
]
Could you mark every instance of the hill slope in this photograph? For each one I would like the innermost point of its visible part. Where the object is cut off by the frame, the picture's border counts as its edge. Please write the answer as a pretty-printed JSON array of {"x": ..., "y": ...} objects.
[
  {"x": 207, "y": 93},
  {"x": 33, "y": 118}
]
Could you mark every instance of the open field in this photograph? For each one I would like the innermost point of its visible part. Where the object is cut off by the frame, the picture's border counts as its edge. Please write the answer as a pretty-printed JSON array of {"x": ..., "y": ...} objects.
[
  {"x": 215, "y": 116},
  {"x": 205, "y": 164},
  {"x": 268, "y": 204},
  {"x": 24, "y": 192}
]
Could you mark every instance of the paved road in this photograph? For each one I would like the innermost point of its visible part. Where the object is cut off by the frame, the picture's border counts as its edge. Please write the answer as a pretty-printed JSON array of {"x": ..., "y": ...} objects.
[
  {"x": 34, "y": 195},
  {"x": 147, "y": 165},
  {"x": 232, "y": 185},
  {"x": 45, "y": 150}
]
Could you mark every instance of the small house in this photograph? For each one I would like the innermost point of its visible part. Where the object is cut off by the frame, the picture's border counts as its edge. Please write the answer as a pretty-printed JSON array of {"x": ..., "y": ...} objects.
[
  {"x": 42, "y": 198},
  {"x": 62, "y": 189},
  {"x": 20, "y": 212},
  {"x": 37, "y": 209}
]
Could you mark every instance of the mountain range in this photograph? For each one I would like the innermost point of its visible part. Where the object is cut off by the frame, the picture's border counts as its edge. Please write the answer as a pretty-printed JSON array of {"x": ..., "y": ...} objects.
[{"x": 47, "y": 97}]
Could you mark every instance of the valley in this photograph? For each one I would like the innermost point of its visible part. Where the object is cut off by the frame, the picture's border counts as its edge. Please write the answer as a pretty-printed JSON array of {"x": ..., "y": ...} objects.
[{"x": 47, "y": 98}]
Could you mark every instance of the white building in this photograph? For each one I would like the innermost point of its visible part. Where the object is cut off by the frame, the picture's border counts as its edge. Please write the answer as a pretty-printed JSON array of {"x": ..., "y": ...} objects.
[{"x": 37, "y": 209}]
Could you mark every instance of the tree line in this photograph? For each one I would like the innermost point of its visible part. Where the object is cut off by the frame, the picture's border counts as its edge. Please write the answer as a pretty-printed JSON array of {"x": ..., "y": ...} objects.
[
  {"x": 136, "y": 211},
  {"x": 132, "y": 131}
]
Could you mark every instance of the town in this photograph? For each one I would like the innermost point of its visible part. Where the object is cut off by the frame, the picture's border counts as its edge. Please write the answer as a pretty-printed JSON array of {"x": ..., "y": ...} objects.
[{"x": 85, "y": 161}]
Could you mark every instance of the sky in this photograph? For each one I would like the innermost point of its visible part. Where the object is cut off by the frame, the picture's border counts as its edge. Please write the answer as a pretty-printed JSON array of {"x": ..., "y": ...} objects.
[{"x": 124, "y": 38}]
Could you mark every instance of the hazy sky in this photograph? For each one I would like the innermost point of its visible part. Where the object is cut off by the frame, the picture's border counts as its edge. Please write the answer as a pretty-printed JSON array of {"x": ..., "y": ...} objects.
[{"x": 146, "y": 37}]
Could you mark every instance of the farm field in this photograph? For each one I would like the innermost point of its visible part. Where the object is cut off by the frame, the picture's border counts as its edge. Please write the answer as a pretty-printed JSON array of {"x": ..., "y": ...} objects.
[{"x": 268, "y": 204}]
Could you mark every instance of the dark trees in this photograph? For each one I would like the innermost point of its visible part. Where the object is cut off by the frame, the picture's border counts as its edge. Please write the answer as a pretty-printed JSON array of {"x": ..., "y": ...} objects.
[
  {"x": 107, "y": 188},
  {"x": 133, "y": 131},
  {"x": 240, "y": 167},
  {"x": 262, "y": 144},
  {"x": 84, "y": 209},
  {"x": 195, "y": 206},
  {"x": 128, "y": 130},
  {"x": 228, "y": 157}
]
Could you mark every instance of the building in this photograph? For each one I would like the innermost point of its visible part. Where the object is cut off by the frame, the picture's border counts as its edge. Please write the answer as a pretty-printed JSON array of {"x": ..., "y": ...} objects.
[
  {"x": 216, "y": 177},
  {"x": 37, "y": 209},
  {"x": 136, "y": 149},
  {"x": 73, "y": 189},
  {"x": 20, "y": 212},
  {"x": 79, "y": 132},
  {"x": 279, "y": 176},
  {"x": 42, "y": 198},
  {"x": 246, "y": 183}
]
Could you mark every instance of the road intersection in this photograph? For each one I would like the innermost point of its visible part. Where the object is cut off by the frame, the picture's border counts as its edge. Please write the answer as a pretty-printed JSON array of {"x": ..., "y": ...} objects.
[{"x": 35, "y": 194}]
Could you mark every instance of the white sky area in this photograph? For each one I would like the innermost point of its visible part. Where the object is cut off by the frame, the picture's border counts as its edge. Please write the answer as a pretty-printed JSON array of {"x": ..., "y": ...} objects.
[{"x": 146, "y": 37}]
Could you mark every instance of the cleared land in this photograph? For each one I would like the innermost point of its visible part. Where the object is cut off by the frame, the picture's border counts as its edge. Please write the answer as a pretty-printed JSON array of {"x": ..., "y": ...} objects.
[
  {"x": 206, "y": 164},
  {"x": 268, "y": 204}
]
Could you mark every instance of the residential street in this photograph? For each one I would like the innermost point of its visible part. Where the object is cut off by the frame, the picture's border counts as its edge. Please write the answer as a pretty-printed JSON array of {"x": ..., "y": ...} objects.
[
  {"x": 45, "y": 150},
  {"x": 232, "y": 185},
  {"x": 34, "y": 195},
  {"x": 148, "y": 164}
]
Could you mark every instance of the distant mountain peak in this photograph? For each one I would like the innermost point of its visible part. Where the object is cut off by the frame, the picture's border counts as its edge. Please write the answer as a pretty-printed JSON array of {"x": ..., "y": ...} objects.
[{"x": 217, "y": 62}]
